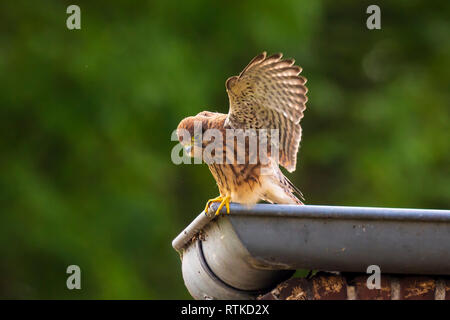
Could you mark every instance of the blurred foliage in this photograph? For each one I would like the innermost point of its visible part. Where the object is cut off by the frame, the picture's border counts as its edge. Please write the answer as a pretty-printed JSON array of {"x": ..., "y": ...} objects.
[{"x": 86, "y": 118}]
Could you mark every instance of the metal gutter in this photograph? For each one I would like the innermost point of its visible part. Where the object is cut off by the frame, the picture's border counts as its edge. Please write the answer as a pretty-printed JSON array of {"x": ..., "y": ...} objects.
[{"x": 239, "y": 255}]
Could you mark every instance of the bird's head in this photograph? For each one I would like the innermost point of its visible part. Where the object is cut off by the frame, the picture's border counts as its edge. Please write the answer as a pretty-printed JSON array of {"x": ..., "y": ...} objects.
[{"x": 191, "y": 131}]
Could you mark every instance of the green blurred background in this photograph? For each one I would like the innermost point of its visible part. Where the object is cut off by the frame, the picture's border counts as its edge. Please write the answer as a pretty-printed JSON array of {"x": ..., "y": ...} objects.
[{"x": 86, "y": 118}]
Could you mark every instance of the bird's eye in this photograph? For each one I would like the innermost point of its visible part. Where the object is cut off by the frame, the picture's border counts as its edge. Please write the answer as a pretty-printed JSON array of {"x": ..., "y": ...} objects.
[{"x": 197, "y": 139}]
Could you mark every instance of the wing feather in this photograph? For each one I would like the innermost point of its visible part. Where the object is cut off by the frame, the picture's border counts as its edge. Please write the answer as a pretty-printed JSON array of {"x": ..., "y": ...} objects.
[{"x": 270, "y": 94}]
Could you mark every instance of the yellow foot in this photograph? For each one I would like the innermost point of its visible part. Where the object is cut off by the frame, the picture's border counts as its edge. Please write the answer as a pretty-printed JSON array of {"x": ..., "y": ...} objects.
[{"x": 224, "y": 201}]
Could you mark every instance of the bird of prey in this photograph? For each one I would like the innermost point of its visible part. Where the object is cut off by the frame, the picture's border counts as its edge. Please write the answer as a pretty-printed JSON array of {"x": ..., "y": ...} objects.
[{"x": 268, "y": 94}]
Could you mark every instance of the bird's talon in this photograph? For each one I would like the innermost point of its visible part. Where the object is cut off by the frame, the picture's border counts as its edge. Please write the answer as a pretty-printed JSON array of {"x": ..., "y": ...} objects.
[
  {"x": 210, "y": 202},
  {"x": 224, "y": 201}
]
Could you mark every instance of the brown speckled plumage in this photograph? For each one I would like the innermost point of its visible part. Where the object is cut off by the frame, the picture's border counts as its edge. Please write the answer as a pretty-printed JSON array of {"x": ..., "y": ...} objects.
[{"x": 268, "y": 94}]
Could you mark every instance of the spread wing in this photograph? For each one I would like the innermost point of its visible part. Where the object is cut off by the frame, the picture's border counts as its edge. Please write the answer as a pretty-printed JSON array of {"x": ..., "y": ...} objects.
[{"x": 270, "y": 94}]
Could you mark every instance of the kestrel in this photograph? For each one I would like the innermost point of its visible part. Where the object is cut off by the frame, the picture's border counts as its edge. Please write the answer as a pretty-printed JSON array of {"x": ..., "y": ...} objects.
[{"x": 268, "y": 94}]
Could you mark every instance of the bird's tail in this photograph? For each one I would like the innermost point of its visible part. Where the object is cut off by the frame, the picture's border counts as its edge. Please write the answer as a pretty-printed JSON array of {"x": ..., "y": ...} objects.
[
  {"x": 278, "y": 189},
  {"x": 293, "y": 190}
]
